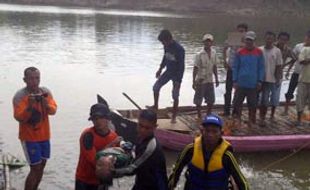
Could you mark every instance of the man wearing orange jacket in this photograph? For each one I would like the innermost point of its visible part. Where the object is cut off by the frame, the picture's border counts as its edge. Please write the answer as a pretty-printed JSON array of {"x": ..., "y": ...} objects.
[
  {"x": 32, "y": 106},
  {"x": 93, "y": 140}
]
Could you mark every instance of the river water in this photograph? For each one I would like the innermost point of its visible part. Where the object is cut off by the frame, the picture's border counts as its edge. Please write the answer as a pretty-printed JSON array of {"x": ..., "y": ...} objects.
[{"x": 82, "y": 52}]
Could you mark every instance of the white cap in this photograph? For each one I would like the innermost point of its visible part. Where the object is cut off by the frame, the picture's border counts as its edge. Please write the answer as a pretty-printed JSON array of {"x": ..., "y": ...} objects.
[
  {"x": 250, "y": 35},
  {"x": 207, "y": 37}
]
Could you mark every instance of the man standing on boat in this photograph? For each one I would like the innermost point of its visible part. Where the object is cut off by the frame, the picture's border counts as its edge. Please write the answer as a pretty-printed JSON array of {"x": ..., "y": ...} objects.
[
  {"x": 204, "y": 68},
  {"x": 248, "y": 75},
  {"x": 288, "y": 57},
  {"x": 209, "y": 160},
  {"x": 289, "y": 95},
  {"x": 32, "y": 106},
  {"x": 173, "y": 61},
  {"x": 93, "y": 140},
  {"x": 303, "y": 91},
  {"x": 149, "y": 165},
  {"x": 229, "y": 55},
  {"x": 273, "y": 74}
]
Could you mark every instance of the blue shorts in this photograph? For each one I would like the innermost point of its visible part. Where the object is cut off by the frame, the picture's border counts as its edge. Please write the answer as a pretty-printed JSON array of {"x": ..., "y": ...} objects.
[
  {"x": 35, "y": 152},
  {"x": 162, "y": 80}
]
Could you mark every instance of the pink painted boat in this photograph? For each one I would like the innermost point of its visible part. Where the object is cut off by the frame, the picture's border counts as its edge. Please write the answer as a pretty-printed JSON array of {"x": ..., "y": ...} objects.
[
  {"x": 176, "y": 141},
  {"x": 279, "y": 133}
]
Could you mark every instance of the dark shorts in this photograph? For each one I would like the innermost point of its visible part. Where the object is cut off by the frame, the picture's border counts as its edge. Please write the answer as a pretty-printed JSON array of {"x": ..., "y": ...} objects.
[
  {"x": 204, "y": 91},
  {"x": 249, "y": 93},
  {"x": 292, "y": 86},
  {"x": 79, "y": 185},
  {"x": 35, "y": 152},
  {"x": 162, "y": 80}
]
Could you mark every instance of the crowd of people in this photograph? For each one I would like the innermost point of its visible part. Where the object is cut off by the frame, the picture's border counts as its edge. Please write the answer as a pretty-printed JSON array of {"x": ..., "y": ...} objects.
[{"x": 254, "y": 72}]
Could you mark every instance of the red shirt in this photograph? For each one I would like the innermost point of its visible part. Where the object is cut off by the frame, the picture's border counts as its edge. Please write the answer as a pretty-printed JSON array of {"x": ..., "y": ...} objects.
[{"x": 90, "y": 144}]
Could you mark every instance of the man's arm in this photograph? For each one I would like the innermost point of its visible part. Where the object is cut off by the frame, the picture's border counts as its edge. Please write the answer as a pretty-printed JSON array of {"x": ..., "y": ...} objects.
[
  {"x": 235, "y": 69},
  {"x": 225, "y": 50},
  {"x": 215, "y": 75},
  {"x": 261, "y": 68},
  {"x": 161, "y": 66},
  {"x": 22, "y": 108},
  {"x": 232, "y": 167},
  {"x": 279, "y": 67},
  {"x": 293, "y": 57},
  {"x": 48, "y": 101},
  {"x": 131, "y": 169},
  {"x": 197, "y": 62},
  {"x": 303, "y": 60},
  {"x": 87, "y": 148},
  {"x": 217, "y": 61},
  {"x": 180, "y": 57},
  {"x": 183, "y": 159}
]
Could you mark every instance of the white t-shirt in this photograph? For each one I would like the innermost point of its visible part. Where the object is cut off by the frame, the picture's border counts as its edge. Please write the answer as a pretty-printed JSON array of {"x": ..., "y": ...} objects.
[
  {"x": 297, "y": 49},
  {"x": 205, "y": 65},
  {"x": 305, "y": 71},
  {"x": 273, "y": 58}
]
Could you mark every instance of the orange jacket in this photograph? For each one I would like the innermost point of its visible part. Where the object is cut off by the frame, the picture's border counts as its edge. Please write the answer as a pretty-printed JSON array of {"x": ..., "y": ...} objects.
[
  {"x": 90, "y": 144},
  {"x": 22, "y": 113}
]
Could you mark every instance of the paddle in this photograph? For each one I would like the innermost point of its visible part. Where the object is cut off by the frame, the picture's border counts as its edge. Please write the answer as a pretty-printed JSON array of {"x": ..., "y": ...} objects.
[{"x": 131, "y": 100}]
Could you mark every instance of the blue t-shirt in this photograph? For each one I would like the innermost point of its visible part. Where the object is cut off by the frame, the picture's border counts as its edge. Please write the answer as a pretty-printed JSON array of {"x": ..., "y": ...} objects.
[
  {"x": 248, "y": 67},
  {"x": 173, "y": 60}
]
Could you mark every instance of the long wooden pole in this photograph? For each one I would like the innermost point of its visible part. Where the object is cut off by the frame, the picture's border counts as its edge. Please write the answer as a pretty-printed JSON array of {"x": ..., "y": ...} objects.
[{"x": 131, "y": 100}]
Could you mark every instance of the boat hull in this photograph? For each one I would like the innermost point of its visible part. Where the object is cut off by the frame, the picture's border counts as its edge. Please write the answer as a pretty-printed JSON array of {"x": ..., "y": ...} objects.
[{"x": 177, "y": 141}]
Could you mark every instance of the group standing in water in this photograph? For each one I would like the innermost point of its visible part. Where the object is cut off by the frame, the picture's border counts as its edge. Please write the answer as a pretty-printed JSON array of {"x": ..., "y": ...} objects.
[{"x": 209, "y": 159}]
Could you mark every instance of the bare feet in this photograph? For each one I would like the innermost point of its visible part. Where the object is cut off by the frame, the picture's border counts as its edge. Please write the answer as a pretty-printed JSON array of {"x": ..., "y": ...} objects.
[
  {"x": 153, "y": 107},
  {"x": 173, "y": 120},
  {"x": 285, "y": 113}
]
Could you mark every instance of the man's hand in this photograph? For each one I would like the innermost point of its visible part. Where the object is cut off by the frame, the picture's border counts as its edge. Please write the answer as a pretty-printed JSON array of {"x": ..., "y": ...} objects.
[
  {"x": 217, "y": 83},
  {"x": 196, "y": 83},
  {"x": 194, "y": 86},
  {"x": 259, "y": 86},
  {"x": 226, "y": 66},
  {"x": 158, "y": 73},
  {"x": 235, "y": 86},
  {"x": 31, "y": 101},
  {"x": 287, "y": 75}
]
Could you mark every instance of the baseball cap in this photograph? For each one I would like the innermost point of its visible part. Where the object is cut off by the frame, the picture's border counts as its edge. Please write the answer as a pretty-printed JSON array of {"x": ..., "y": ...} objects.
[
  {"x": 250, "y": 35},
  {"x": 99, "y": 110},
  {"x": 207, "y": 37},
  {"x": 212, "y": 119},
  {"x": 149, "y": 115}
]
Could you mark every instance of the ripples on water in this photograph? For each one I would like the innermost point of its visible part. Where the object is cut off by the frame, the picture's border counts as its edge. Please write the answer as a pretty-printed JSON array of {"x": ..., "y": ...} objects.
[{"x": 82, "y": 52}]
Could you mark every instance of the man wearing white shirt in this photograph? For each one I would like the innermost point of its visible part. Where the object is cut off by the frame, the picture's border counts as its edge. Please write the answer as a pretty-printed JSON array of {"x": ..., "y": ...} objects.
[
  {"x": 303, "y": 91},
  {"x": 273, "y": 64}
]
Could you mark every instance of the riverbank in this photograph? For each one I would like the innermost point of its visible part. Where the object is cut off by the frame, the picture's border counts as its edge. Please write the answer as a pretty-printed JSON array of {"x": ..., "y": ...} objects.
[{"x": 236, "y": 7}]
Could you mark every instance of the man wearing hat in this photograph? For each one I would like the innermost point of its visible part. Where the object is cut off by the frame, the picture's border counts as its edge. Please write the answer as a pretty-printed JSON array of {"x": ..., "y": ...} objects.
[
  {"x": 248, "y": 75},
  {"x": 92, "y": 140},
  {"x": 209, "y": 160},
  {"x": 204, "y": 67}
]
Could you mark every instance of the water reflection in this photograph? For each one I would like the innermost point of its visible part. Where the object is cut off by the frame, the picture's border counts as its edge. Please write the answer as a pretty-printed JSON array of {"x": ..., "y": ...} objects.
[{"x": 84, "y": 52}]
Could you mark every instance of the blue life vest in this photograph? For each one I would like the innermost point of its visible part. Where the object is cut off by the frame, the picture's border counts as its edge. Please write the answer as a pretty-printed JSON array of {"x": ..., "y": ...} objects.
[{"x": 212, "y": 177}]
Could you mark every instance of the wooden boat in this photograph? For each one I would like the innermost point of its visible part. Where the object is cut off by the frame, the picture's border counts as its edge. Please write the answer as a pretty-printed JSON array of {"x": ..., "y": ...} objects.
[
  {"x": 278, "y": 134},
  {"x": 8, "y": 163}
]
